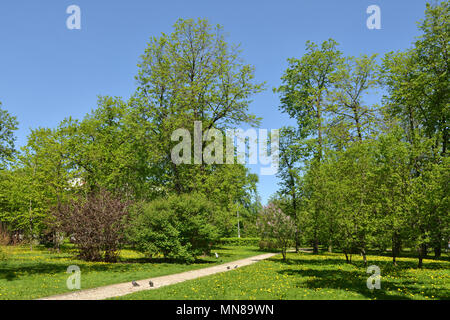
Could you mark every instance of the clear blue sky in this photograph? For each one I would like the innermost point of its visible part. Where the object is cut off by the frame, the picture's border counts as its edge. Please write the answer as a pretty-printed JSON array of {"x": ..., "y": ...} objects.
[{"x": 48, "y": 72}]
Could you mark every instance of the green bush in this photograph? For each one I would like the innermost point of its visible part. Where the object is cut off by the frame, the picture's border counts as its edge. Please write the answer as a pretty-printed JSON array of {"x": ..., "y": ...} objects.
[
  {"x": 268, "y": 245},
  {"x": 243, "y": 242},
  {"x": 178, "y": 227}
]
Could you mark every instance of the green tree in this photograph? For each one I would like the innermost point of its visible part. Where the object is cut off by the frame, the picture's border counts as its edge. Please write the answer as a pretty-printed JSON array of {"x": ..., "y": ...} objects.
[
  {"x": 8, "y": 124},
  {"x": 291, "y": 153},
  {"x": 355, "y": 78},
  {"x": 417, "y": 83},
  {"x": 275, "y": 225},
  {"x": 305, "y": 96},
  {"x": 193, "y": 74}
]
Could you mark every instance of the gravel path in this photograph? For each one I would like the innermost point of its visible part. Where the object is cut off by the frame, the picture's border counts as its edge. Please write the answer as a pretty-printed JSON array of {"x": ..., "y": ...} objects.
[{"x": 121, "y": 289}]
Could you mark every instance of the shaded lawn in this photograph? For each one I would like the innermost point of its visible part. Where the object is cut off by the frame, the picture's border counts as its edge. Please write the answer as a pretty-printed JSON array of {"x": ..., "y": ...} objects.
[
  {"x": 308, "y": 276},
  {"x": 39, "y": 273}
]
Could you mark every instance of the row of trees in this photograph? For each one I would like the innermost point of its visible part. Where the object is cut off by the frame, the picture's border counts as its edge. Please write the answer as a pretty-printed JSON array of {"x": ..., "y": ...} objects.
[
  {"x": 124, "y": 147},
  {"x": 357, "y": 174}
]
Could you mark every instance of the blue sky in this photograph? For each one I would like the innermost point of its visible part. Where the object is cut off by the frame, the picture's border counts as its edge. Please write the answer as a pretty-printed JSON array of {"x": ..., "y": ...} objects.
[{"x": 48, "y": 72}]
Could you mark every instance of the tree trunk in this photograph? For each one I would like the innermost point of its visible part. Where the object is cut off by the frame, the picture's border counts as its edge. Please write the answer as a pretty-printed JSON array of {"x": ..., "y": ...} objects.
[
  {"x": 363, "y": 252},
  {"x": 422, "y": 254},
  {"x": 437, "y": 250},
  {"x": 348, "y": 257},
  {"x": 395, "y": 248},
  {"x": 316, "y": 246}
]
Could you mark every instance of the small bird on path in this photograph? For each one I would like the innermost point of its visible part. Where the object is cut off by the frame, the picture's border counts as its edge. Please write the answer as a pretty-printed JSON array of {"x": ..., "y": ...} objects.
[
  {"x": 228, "y": 267},
  {"x": 150, "y": 283},
  {"x": 235, "y": 266},
  {"x": 135, "y": 284}
]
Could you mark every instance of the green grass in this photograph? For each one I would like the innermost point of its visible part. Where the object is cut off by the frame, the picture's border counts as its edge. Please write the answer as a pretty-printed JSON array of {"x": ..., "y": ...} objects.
[
  {"x": 308, "y": 276},
  {"x": 39, "y": 273}
]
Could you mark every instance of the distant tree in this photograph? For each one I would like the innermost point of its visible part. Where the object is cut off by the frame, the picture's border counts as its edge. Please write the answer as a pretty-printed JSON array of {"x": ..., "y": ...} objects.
[
  {"x": 8, "y": 124},
  {"x": 273, "y": 224},
  {"x": 291, "y": 153},
  {"x": 305, "y": 96},
  {"x": 355, "y": 78}
]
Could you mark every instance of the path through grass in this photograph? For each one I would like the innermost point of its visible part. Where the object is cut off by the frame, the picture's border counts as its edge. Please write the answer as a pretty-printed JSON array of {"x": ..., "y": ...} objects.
[
  {"x": 308, "y": 276},
  {"x": 40, "y": 273}
]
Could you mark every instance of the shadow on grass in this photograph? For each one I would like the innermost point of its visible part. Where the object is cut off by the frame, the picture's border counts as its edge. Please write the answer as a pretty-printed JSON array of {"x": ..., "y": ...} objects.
[
  {"x": 387, "y": 265},
  {"x": 341, "y": 280},
  {"x": 328, "y": 273},
  {"x": 17, "y": 269}
]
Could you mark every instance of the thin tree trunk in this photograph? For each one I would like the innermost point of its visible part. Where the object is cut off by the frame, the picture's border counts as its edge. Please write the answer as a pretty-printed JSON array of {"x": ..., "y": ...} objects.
[
  {"x": 422, "y": 254},
  {"x": 438, "y": 250},
  {"x": 316, "y": 246},
  {"x": 395, "y": 248},
  {"x": 363, "y": 252}
]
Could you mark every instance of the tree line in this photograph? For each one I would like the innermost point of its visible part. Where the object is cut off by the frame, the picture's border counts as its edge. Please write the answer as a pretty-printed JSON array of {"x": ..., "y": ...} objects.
[
  {"x": 359, "y": 170},
  {"x": 121, "y": 150}
]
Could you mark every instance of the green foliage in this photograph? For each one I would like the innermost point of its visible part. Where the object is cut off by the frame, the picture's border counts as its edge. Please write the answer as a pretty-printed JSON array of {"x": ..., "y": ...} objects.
[
  {"x": 235, "y": 241},
  {"x": 357, "y": 176},
  {"x": 277, "y": 226},
  {"x": 124, "y": 146},
  {"x": 179, "y": 227},
  {"x": 8, "y": 124}
]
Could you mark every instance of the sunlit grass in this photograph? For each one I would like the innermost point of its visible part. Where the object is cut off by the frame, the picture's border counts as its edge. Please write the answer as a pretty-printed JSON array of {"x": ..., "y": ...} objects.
[
  {"x": 39, "y": 273},
  {"x": 308, "y": 276}
]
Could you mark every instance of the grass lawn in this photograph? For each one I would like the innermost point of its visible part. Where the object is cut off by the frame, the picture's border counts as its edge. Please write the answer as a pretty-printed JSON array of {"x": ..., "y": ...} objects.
[
  {"x": 308, "y": 276},
  {"x": 39, "y": 273}
]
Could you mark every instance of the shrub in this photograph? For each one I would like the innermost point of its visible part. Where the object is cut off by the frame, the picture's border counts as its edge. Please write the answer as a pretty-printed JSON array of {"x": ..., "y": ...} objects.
[
  {"x": 274, "y": 224},
  {"x": 239, "y": 241},
  {"x": 95, "y": 225},
  {"x": 179, "y": 227},
  {"x": 268, "y": 245}
]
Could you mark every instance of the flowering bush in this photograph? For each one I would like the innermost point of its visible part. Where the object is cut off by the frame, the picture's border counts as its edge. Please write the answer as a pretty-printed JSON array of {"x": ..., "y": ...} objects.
[
  {"x": 95, "y": 224},
  {"x": 275, "y": 225}
]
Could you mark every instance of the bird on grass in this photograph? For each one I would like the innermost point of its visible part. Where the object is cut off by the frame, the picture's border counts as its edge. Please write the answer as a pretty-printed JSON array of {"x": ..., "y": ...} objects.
[
  {"x": 217, "y": 255},
  {"x": 150, "y": 283},
  {"x": 135, "y": 284}
]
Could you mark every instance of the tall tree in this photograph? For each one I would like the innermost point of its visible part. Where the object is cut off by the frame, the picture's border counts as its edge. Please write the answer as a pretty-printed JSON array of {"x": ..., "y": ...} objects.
[
  {"x": 291, "y": 151},
  {"x": 355, "y": 78},
  {"x": 305, "y": 93}
]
